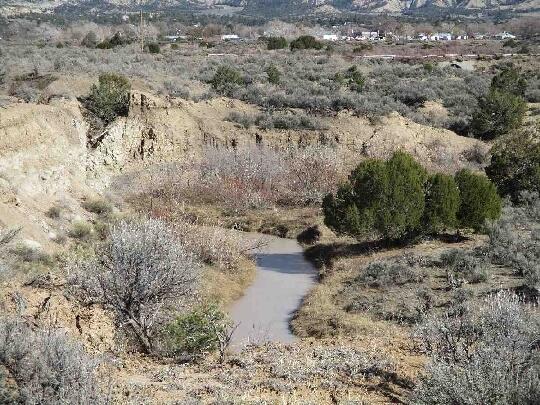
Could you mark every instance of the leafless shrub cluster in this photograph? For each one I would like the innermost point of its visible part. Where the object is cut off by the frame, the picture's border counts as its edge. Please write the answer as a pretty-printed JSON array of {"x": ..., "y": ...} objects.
[
  {"x": 243, "y": 178},
  {"x": 263, "y": 177},
  {"x": 482, "y": 354},
  {"x": 44, "y": 367},
  {"x": 142, "y": 271},
  {"x": 213, "y": 245}
]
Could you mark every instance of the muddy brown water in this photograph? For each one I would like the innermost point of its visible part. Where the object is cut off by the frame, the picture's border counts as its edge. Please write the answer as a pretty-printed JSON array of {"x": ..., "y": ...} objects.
[{"x": 283, "y": 278}]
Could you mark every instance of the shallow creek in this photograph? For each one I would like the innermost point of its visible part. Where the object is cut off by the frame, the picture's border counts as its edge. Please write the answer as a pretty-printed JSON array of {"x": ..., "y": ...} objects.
[{"x": 283, "y": 278}]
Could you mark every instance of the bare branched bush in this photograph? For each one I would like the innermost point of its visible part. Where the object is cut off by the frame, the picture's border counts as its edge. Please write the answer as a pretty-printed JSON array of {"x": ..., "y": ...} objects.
[
  {"x": 45, "y": 367},
  {"x": 141, "y": 271},
  {"x": 242, "y": 179},
  {"x": 257, "y": 177},
  {"x": 486, "y": 354},
  {"x": 263, "y": 177}
]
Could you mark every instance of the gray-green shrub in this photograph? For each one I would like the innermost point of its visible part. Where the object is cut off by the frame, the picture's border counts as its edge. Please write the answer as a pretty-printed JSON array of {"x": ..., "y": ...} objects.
[
  {"x": 481, "y": 354},
  {"x": 389, "y": 273},
  {"x": 46, "y": 365},
  {"x": 463, "y": 265},
  {"x": 98, "y": 206},
  {"x": 514, "y": 241}
]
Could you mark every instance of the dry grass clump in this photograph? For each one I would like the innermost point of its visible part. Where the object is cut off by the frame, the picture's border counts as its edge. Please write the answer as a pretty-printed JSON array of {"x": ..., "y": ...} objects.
[
  {"x": 319, "y": 372},
  {"x": 212, "y": 245},
  {"x": 338, "y": 365},
  {"x": 227, "y": 254},
  {"x": 81, "y": 230},
  {"x": 98, "y": 206},
  {"x": 54, "y": 212},
  {"x": 319, "y": 317},
  {"x": 324, "y": 372},
  {"x": 30, "y": 254}
]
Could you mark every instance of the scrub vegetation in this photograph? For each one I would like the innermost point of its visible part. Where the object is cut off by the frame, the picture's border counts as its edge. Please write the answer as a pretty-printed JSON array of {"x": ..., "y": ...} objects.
[{"x": 134, "y": 176}]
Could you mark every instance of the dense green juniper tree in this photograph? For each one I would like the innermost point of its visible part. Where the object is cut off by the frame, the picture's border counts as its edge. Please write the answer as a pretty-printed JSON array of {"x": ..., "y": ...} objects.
[
  {"x": 396, "y": 199},
  {"x": 503, "y": 108},
  {"x": 110, "y": 97},
  {"x": 479, "y": 200},
  {"x": 515, "y": 165}
]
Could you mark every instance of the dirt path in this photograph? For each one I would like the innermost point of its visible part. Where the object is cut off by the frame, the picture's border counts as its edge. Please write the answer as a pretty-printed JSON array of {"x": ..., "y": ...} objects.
[{"x": 283, "y": 278}]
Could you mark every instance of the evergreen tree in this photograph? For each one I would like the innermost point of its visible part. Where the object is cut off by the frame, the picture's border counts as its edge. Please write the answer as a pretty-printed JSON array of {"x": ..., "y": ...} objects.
[
  {"x": 110, "y": 97},
  {"x": 498, "y": 113},
  {"x": 442, "y": 203},
  {"x": 515, "y": 165},
  {"x": 479, "y": 200}
]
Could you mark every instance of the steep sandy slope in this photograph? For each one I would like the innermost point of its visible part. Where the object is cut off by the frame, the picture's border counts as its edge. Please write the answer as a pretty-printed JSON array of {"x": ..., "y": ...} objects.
[
  {"x": 42, "y": 162},
  {"x": 158, "y": 130}
]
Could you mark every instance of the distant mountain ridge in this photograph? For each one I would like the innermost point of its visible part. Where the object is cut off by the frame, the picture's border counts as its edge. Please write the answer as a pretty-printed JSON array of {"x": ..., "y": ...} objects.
[
  {"x": 392, "y": 6},
  {"x": 270, "y": 7}
]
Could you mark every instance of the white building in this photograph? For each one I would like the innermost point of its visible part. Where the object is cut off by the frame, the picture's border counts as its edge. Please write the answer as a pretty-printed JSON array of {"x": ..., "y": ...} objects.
[
  {"x": 230, "y": 37},
  {"x": 441, "y": 36},
  {"x": 505, "y": 35},
  {"x": 330, "y": 37},
  {"x": 174, "y": 38},
  {"x": 372, "y": 35}
]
